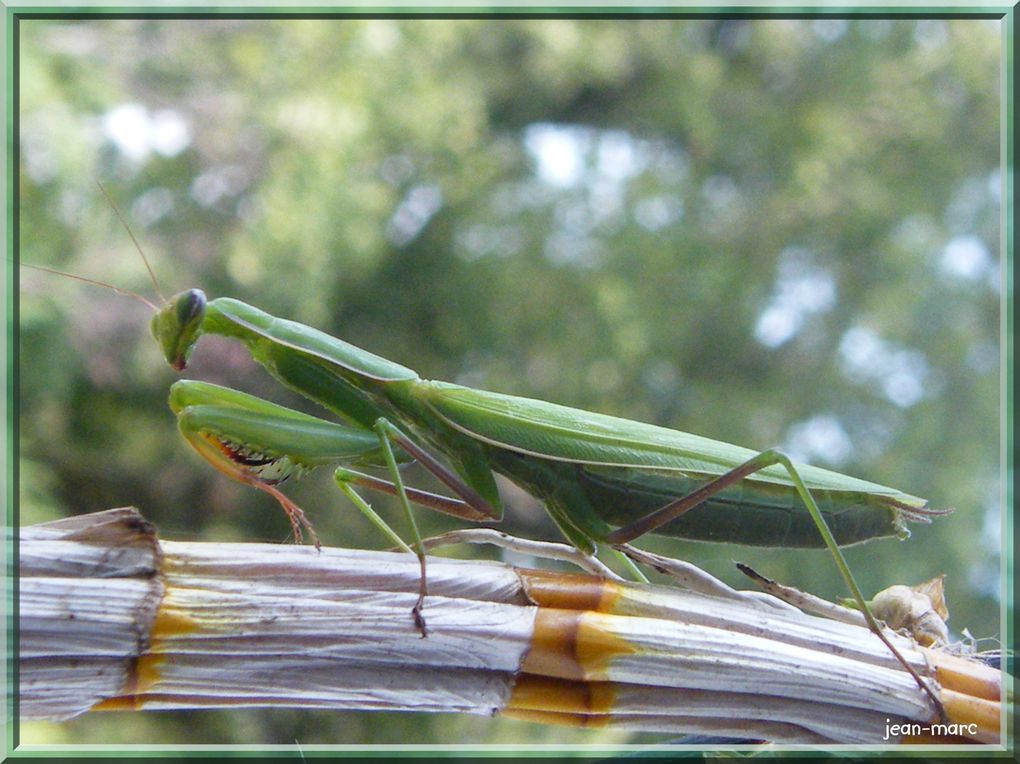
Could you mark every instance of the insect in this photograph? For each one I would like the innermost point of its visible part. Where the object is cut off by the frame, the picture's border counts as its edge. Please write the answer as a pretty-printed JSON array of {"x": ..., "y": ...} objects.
[{"x": 603, "y": 479}]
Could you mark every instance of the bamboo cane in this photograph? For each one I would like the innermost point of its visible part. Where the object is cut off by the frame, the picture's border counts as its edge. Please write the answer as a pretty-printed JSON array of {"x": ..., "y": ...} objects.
[{"x": 112, "y": 618}]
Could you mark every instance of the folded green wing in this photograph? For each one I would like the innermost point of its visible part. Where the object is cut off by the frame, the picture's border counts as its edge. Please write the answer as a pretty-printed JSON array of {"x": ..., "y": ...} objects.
[{"x": 551, "y": 431}]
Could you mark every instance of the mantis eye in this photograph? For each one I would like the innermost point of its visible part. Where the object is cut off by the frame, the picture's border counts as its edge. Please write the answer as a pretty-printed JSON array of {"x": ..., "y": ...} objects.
[{"x": 190, "y": 306}]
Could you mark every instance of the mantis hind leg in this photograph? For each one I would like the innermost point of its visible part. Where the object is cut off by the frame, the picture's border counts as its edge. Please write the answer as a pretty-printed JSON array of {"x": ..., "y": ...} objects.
[{"x": 674, "y": 509}]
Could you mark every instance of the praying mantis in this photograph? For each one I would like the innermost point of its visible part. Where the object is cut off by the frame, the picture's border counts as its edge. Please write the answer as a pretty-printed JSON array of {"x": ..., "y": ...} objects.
[{"x": 603, "y": 479}]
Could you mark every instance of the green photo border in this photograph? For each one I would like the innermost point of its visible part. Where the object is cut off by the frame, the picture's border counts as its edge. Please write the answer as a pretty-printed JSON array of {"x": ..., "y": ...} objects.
[{"x": 17, "y": 10}]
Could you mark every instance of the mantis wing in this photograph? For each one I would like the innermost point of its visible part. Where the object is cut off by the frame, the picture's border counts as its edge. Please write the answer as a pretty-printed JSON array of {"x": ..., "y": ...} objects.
[{"x": 550, "y": 431}]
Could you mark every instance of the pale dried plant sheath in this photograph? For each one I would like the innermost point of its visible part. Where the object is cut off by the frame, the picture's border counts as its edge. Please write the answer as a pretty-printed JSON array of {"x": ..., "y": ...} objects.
[{"x": 113, "y": 618}]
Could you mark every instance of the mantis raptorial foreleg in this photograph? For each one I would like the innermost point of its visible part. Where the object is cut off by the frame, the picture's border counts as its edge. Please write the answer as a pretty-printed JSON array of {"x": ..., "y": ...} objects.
[{"x": 262, "y": 444}]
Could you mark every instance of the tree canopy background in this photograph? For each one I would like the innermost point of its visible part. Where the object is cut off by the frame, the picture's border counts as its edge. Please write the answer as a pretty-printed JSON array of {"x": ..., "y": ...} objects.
[{"x": 777, "y": 233}]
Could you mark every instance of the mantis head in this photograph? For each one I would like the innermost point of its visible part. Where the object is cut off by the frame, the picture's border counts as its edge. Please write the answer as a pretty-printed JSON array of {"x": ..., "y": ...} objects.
[{"x": 178, "y": 324}]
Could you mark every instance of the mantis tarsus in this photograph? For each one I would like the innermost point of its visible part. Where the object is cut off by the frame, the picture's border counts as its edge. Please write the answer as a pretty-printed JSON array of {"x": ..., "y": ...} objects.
[{"x": 602, "y": 479}]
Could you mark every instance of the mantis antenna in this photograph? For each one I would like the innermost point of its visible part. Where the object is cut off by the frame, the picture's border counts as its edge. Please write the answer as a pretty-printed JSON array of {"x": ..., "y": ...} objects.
[
  {"x": 118, "y": 290},
  {"x": 148, "y": 267}
]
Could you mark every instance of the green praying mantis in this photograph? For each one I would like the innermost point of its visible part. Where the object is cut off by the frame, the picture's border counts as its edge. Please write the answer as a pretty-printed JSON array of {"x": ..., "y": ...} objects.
[{"x": 603, "y": 479}]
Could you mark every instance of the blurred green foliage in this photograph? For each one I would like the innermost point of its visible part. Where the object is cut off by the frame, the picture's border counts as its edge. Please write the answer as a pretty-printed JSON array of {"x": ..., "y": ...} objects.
[{"x": 770, "y": 232}]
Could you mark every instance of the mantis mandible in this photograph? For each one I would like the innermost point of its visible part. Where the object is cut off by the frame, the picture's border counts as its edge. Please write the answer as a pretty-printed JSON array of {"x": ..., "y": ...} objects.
[{"x": 602, "y": 479}]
